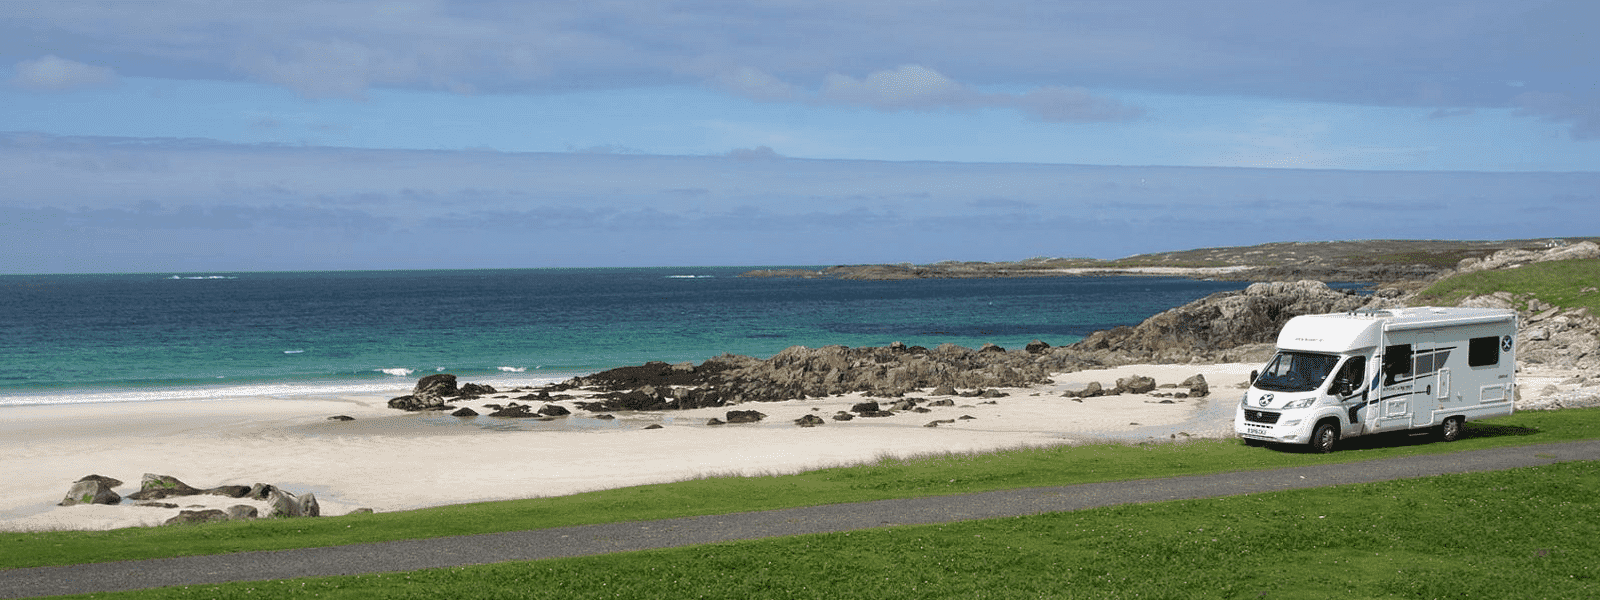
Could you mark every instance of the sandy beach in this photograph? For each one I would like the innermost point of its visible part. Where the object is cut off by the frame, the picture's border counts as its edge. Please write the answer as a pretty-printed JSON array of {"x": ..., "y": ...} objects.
[{"x": 390, "y": 460}]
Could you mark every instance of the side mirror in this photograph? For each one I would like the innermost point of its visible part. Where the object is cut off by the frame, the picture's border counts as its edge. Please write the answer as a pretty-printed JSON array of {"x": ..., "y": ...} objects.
[
  {"x": 1253, "y": 375},
  {"x": 1341, "y": 387}
]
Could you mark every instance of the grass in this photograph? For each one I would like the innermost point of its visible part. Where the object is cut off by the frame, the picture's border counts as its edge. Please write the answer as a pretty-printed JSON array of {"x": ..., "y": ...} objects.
[
  {"x": 1523, "y": 533},
  {"x": 888, "y": 477},
  {"x": 1560, "y": 283}
]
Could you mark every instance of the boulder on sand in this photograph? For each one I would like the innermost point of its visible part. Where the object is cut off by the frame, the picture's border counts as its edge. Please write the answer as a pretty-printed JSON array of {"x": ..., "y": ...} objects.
[
  {"x": 156, "y": 487},
  {"x": 93, "y": 489}
]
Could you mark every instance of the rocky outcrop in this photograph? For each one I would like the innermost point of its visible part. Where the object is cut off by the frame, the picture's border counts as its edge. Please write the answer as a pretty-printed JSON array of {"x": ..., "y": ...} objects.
[
  {"x": 1547, "y": 335},
  {"x": 1515, "y": 257},
  {"x": 1226, "y": 326}
]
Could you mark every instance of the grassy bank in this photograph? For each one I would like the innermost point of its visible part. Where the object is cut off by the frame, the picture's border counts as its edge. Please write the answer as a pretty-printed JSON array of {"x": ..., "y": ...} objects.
[
  {"x": 887, "y": 478},
  {"x": 1566, "y": 283},
  {"x": 1525, "y": 533}
]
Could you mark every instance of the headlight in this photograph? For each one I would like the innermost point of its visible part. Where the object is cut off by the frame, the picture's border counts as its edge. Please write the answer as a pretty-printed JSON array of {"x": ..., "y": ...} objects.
[
  {"x": 1300, "y": 403},
  {"x": 1245, "y": 400}
]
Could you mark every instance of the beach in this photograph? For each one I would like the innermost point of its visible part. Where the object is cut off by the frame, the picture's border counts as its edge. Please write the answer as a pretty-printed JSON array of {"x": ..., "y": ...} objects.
[{"x": 388, "y": 460}]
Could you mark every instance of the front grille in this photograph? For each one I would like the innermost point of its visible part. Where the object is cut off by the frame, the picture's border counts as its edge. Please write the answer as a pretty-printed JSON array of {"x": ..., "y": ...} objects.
[{"x": 1261, "y": 416}]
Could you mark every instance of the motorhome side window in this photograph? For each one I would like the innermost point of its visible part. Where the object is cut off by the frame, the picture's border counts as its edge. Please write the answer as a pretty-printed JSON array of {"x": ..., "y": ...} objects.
[
  {"x": 1396, "y": 363},
  {"x": 1483, "y": 351}
]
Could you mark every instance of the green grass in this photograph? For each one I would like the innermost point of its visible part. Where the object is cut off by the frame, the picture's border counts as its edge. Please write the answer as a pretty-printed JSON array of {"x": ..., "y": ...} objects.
[
  {"x": 1560, "y": 283},
  {"x": 1523, "y": 533},
  {"x": 886, "y": 478}
]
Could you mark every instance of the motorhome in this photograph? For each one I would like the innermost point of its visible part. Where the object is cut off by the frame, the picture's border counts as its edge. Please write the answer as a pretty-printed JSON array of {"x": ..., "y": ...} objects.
[{"x": 1337, "y": 376}]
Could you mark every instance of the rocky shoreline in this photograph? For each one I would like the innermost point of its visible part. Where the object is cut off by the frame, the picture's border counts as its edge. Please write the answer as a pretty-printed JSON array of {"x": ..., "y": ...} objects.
[{"x": 1231, "y": 327}]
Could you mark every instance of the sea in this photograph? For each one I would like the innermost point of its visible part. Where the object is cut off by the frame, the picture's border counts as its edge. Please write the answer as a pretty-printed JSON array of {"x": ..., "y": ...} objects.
[{"x": 188, "y": 336}]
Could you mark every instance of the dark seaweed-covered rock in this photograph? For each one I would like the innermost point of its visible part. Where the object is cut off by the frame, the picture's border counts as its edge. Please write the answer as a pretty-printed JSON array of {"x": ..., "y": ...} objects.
[
  {"x": 809, "y": 421},
  {"x": 475, "y": 390},
  {"x": 744, "y": 416}
]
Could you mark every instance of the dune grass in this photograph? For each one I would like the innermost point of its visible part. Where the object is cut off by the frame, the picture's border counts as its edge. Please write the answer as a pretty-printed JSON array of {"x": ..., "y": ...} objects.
[{"x": 887, "y": 477}]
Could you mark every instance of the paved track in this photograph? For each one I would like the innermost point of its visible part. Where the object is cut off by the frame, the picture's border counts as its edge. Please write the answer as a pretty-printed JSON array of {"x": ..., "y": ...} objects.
[{"x": 589, "y": 540}]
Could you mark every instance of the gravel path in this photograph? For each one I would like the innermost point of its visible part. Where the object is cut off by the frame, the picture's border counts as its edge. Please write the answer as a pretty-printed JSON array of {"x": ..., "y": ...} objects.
[{"x": 622, "y": 537}]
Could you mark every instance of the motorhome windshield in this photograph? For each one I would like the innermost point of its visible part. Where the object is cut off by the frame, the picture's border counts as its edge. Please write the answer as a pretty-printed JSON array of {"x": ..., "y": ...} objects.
[{"x": 1296, "y": 371}]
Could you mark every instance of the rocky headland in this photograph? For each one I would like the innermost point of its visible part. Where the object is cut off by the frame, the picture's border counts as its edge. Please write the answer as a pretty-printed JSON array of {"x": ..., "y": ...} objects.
[{"x": 1375, "y": 261}]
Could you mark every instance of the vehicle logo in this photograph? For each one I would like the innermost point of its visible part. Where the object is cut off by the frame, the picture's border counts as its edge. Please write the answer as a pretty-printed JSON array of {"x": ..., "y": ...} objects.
[{"x": 1265, "y": 399}]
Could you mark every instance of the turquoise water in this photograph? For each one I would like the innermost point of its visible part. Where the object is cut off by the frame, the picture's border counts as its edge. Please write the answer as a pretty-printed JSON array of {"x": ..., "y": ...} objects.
[{"x": 75, "y": 338}]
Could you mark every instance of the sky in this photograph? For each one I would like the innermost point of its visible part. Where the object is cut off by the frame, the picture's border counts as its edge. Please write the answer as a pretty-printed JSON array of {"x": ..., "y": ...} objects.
[{"x": 200, "y": 136}]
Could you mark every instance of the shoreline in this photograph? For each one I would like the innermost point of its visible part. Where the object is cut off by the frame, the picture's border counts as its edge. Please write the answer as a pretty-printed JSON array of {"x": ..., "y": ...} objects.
[{"x": 389, "y": 460}]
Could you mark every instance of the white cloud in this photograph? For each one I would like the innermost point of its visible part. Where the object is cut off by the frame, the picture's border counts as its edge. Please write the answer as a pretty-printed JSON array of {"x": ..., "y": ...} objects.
[{"x": 52, "y": 73}]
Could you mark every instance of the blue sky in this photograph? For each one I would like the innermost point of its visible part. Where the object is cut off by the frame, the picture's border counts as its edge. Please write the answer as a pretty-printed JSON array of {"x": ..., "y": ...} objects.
[{"x": 203, "y": 136}]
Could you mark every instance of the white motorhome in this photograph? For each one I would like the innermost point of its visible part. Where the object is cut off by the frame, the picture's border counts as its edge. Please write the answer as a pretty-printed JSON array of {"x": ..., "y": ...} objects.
[{"x": 1348, "y": 374}]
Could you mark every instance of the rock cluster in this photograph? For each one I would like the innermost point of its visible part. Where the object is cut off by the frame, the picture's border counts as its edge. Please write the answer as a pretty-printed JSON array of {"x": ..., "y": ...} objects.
[
  {"x": 432, "y": 391},
  {"x": 97, "y": 489},
  {"x": 1196, "y": 387},
  {"x": 800, "y": 372}
]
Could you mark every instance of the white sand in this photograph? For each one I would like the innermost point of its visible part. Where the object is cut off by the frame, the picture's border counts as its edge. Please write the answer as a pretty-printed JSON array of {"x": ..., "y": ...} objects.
[{"x": 389, "y": 460}]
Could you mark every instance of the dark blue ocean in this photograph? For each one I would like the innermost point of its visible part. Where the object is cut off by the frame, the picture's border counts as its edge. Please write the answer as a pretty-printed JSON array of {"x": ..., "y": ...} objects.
[{"x": 107, "y": 338}]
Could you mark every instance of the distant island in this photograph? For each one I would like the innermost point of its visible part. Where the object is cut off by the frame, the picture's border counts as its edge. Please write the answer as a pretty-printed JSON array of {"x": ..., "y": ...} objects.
[{"x": 1377, "y": 261}]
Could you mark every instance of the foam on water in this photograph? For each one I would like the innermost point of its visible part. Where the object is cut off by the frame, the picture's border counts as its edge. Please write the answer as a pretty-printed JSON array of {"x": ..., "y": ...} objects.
[{"x": 386, "y": 387}]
